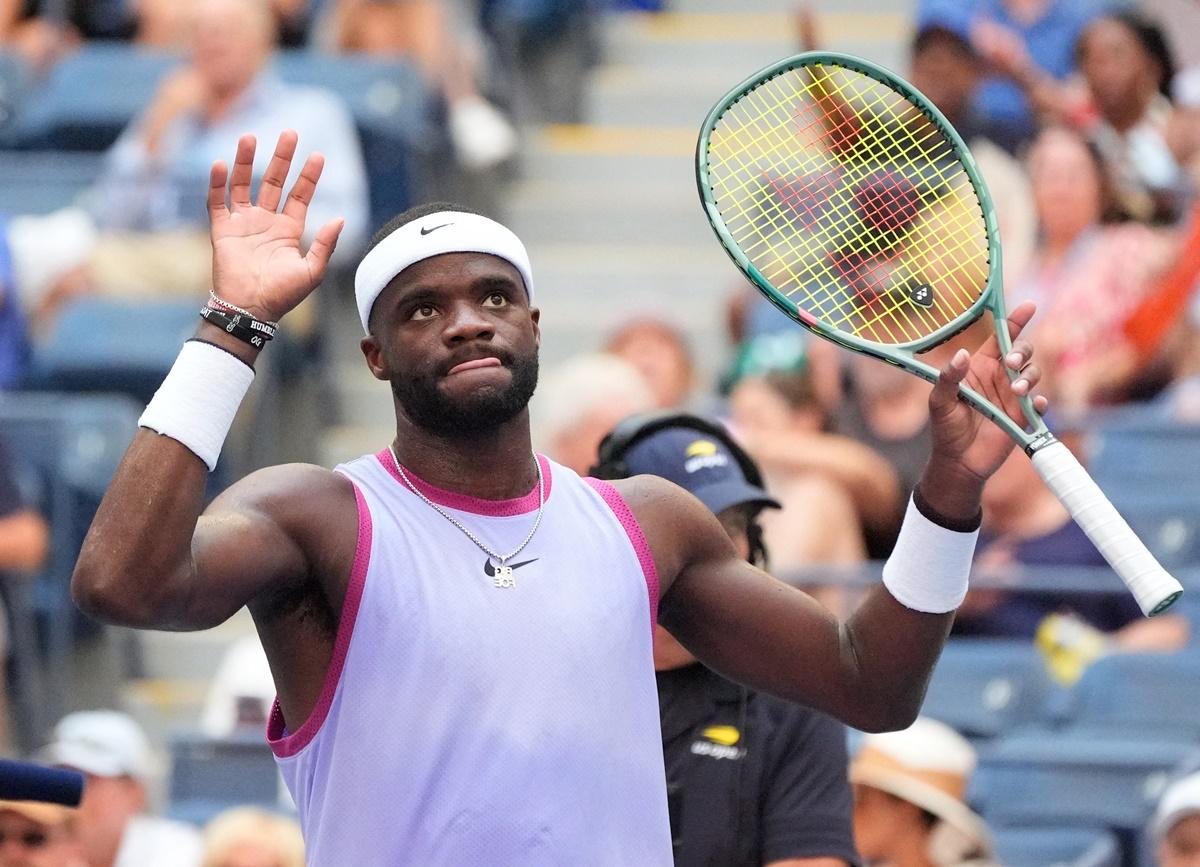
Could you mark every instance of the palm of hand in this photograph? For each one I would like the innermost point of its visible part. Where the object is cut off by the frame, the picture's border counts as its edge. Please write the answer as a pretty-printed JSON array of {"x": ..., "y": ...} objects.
[{"x": 257, "y": 261}]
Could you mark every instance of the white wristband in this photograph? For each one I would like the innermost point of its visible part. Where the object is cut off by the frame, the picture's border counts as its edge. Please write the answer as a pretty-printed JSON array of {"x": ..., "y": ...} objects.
[
  {"x": 200, "y": 396},
  {"x": 929, "y": 566}
]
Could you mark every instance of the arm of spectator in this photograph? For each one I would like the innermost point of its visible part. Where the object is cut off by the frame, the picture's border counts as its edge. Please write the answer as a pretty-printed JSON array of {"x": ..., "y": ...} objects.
[
  {"x": 867, "y": 477},
  {"x": 10, "y": 14},
  {"x": 807, "y": 805},
  {"x": 24, "y": 541},
  {"x": 1005, "y": 52},
  {"x": 343, "y": 191},
  {"x": 181, "y": 92}
]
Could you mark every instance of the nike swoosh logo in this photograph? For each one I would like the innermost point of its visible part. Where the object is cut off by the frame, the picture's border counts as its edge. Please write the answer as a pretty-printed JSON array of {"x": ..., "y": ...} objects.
[
  {"x": 490, "y": 570},
  {"x": 425, "y": 230}
]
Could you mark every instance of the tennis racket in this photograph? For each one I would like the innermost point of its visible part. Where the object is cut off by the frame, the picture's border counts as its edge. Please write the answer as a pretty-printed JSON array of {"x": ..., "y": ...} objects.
[{"x": 848, "y": 200}]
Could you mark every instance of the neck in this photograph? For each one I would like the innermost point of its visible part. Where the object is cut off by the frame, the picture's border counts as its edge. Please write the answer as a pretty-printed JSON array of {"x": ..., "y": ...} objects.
[{"x": 492, "y": 465}]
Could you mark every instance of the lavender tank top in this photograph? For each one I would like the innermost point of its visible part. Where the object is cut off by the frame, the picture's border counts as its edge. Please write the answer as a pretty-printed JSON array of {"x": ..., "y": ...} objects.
[{"x": 461, "y": 723}]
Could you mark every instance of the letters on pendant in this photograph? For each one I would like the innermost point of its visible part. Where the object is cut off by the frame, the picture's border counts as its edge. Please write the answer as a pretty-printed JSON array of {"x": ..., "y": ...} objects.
[{"x": 504, "y": 577}]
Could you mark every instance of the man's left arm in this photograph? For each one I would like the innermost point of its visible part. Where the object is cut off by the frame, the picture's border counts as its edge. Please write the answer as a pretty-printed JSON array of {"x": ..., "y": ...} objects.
[{"x": 872, "y": 670}]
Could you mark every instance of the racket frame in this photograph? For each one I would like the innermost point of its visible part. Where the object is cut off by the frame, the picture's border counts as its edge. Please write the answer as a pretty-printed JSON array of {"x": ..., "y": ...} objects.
[{"x": 899, "y": 354}]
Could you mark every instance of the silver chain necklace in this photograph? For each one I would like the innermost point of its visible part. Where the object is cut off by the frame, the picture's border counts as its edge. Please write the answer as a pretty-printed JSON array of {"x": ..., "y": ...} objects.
[{"x": 503, "y": 574}]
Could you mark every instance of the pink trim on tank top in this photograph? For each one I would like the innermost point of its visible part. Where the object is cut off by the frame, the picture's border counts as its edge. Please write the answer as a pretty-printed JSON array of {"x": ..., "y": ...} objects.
[
  {"x": 463, "y": 502},
  {"x": 637, "y": 538},
  {"x": 284, "y": 743}
]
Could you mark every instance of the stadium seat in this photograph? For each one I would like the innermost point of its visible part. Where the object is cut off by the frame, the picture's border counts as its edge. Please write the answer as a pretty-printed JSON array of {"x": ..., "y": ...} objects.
[
  {"x": 1133, "y": 454},
  {"x": 209, "y": 775},
  {"x": 1149, "y": 694},
  {"x": 1166, "y": 520},
  {"x": 15, "y": 79},
  {"x": 99, "y": 344},
  {"x": 39, "y": 182},
  {"x": 985, "y": 687},
  {"x": 395, "y": 113},
  {"x": 90, "y": 96},
  {"x": 71, "y": 445},
  {"x": 1065, "y": 778},
  {"x": 1056, "y": 847}
]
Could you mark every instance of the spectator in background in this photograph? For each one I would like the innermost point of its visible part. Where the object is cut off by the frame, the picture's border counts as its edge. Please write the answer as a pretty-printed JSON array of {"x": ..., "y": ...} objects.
[
  {"x": 147, "y": 204},
  {"x": 1024, "y": 42},
  {"x": 250, "y": 837},
  {"x": 241, "y": 692},
  {"x": 14, "y": 343},
  {"x": 833, "y": 488},
  {"x": 947, "y": 69},
  {"x": 166, "y": 23},
  {"x": 24, "y": 543},
  {"x": 661, "y": 354},
  {"x": 752, "y": 780},
  {"x": 36, "y": 32},
  {"x": 1025, "y": 524},
  {"x": 1086, "y": 277},
  {"x": 33, "y": 834},
  {"x": 1176, "y": 824},
  {"x": 113, "y": 826},
  {"x": 421, "y": 30},
  {"x": 910, "y": 799},
  {"x": 1128, "y": 70},
  {"x": 581, "y": 400}
]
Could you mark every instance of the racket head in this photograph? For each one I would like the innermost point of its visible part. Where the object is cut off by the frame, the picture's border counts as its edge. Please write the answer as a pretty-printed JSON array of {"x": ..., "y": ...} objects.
[{"x": 851, "y": 203}]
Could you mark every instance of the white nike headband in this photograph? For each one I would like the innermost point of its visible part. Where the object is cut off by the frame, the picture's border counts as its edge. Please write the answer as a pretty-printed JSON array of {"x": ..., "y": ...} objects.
[{"x": 433, "y": 235}]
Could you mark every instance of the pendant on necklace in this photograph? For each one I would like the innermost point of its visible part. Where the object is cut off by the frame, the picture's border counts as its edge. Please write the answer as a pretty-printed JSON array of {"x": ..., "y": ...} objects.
[{"x": 503, "y": 577}]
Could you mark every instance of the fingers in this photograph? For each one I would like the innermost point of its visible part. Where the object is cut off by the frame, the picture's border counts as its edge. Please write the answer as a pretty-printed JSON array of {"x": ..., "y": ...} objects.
[
  {"x": 301, "y": 195},
  {"x": 270, "y": 191},
  {"x": 322, "y": 249},
  {"x": 1017, "y": 320},
  {"x": 218, "y": 175},
  {"x": 243, "y": 173},
  {"x": 945, "y": 390}
]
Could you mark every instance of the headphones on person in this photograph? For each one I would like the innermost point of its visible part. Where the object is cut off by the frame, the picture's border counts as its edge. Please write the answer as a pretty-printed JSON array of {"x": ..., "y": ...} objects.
[{"x": 610, "y": 458}]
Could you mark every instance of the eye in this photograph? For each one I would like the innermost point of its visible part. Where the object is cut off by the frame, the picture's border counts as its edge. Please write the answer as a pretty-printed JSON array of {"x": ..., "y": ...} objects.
[
  {"x": 423, "y": 311},
  {"x": 496, "y": 299}
]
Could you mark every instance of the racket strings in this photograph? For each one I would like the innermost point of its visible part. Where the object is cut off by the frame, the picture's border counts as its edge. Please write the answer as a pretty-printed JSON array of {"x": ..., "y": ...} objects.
[{"x": 851, "y": 201}]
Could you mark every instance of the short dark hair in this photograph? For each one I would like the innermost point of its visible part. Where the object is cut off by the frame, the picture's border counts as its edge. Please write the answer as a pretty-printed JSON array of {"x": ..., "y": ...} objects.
[
  {"x": 416, "y": 212},
  {"x": 943, "y": 34},
  {"x": 1148, "y": 34}
]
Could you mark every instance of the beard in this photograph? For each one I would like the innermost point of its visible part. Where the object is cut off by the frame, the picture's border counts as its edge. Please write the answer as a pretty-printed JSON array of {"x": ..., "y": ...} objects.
[{"x": 479, "y": 412}]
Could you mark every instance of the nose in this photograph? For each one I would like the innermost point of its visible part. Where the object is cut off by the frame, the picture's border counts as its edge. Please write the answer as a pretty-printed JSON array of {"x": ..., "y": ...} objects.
[{"x": 467, "y": 322}]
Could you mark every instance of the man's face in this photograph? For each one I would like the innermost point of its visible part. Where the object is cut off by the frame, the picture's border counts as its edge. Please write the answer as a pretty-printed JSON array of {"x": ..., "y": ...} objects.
[
  {"x": 456, "y": 338},
  {"x": 1118, "y": 71},
  {"x": 945, "y": 72},
  {"x": 26, "y": 843}
]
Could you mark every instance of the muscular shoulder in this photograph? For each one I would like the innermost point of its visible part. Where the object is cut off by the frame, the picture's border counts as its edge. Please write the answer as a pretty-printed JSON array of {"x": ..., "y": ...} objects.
[
  {"x": 305, "y": 501},
  {"x": 678, "y": 527}
]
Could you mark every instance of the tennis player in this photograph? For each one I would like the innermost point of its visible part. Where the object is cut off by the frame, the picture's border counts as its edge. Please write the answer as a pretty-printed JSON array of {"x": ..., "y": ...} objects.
[{"x": 460, "y": 630}]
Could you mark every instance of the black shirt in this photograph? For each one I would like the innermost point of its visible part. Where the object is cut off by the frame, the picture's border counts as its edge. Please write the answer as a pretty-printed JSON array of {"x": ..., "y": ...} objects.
[{"x": 751, "y": 778}]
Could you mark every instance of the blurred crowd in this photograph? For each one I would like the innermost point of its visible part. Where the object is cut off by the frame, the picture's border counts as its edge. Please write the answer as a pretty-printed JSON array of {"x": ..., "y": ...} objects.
[{"x": 1084, "y": 119}]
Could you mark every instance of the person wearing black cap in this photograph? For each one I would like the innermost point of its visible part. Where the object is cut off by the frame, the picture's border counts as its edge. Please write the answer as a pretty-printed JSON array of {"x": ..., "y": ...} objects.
[{"x": 751, "y": 779}]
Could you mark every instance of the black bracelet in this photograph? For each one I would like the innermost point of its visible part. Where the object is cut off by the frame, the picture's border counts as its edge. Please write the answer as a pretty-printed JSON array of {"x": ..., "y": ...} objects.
[
  {"x": 957, "y": 525},
  {"x": 244, "y": 328}
]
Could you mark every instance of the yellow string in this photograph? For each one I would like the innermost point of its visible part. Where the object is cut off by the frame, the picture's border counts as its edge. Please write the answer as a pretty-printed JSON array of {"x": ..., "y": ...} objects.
[{"x": 770, "y": 159}]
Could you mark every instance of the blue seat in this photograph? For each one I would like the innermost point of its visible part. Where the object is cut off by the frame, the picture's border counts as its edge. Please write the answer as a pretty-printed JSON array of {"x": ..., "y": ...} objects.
[
  {"x": 71, "y": 445},
  {"x": 15, "y": 83},
  {"x": 985, "y": 687},
  {"x": 90, "y": 96},
  {"x": 1149, "y": 694},
  {"x": 99, "y": 344},
  {"x": 209, "y": 775},
  {"x": 396, "y": 115},
  {"x": 1134, "y": 454},
  {"x": 1056, "y": 847},
  {"x": 38, "y": 182},
  {"x": 1060, "y": 777},
  {"x": 1167, "y": 521}
]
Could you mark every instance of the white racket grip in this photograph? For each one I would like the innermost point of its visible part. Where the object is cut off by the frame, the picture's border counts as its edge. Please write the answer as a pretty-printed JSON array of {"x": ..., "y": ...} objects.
[{"x": 1152, "y": 586}]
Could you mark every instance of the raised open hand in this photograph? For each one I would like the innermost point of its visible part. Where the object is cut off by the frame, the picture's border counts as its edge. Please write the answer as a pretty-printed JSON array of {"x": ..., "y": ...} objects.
[
  {"x": 257, "y": 263},
  {"x": 960, "y": 434}
]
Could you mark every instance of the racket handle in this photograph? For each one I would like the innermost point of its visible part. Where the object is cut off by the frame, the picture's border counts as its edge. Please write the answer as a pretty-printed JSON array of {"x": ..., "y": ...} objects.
[{"x": 1152, "y": 586}]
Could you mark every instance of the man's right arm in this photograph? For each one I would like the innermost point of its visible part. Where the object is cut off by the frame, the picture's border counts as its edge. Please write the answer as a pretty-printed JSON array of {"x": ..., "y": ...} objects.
[{"x": 152, "y": 560}]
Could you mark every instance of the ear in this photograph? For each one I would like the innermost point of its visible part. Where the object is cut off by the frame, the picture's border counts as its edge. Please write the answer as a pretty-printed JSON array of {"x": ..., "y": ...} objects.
[
  {"x": 373, "y": 352},
  {"x": 535, "y": 316}
]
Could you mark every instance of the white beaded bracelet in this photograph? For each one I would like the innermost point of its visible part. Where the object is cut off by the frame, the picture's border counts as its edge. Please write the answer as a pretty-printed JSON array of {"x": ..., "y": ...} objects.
[
  {"x": 200, "y": 396},
  {"x": 929, "y": 566}
]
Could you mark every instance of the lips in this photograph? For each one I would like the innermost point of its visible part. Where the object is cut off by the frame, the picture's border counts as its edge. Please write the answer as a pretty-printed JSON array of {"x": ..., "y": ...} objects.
[{"x": 475, "y": 364}]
